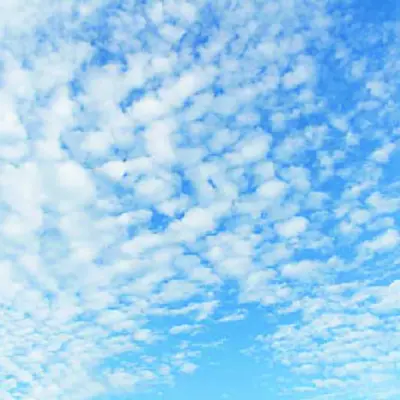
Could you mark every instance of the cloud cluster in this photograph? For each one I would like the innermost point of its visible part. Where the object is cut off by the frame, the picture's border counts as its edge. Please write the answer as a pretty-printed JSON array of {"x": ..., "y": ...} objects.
[{"x": 152, "y": 154}]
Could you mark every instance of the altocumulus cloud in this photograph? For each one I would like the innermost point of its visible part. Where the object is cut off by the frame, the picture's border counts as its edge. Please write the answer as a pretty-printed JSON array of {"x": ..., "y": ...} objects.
[{"x": 170, "y": 168}]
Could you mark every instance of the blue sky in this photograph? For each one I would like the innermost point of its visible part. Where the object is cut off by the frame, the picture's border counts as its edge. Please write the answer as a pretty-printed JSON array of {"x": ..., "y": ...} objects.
[{"x": 199, "y": 200}]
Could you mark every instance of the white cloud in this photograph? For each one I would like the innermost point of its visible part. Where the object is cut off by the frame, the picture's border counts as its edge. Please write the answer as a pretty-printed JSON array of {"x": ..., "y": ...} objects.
[
  {"x": 185, "y": 328},
  {"x": 185, "y": 86},
  {"x": 389, "y": 298},
  {"x": 377, "y": 88},
  {"x": 148, "y": 109},
  {"x": 175, "y": 290},
  {"x": 144, "y": 335},
  {"x": 188, "y": 368},
  {"x": 382, "y": 155},
  {"x": 11, "y": 127},
  {"x": 73, "y": 184},
  {"x": 384, "y": 242},
  {"x": 382, "y": 204},
  {"x": 97, "y": 143},
  {"x": 272, "y": 189},
  {"x": 302, "y": 73},
  {"x": 303, "y": 270},
  {"x": 236, "y": 316},
  {"x": 292, "y": 227},
  {"x": 252, "y": 150},
  {"x": 195, "y": 222},
  {"x": 153, "y": 188},
  {"x": 151, "y": 181},
  {"x": 158, "y": 140}
]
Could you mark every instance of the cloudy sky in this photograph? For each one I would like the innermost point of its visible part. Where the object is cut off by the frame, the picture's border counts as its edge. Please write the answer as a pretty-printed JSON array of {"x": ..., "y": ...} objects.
[{"x": 199, "y": 200}]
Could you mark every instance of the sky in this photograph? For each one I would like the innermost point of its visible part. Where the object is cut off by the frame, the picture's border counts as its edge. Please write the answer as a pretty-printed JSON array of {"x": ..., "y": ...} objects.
[{"x": 199, "y": 200}]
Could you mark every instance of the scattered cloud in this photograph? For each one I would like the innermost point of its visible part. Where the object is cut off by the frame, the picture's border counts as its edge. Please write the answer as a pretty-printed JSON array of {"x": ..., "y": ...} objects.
[{"x": 167, "y": 170}]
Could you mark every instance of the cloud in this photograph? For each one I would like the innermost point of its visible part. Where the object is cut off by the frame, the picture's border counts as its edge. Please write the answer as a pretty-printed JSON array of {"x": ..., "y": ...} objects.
[
  {"x": 303, "y": 270},
  {"x": 383, "y": 242},
  {"x": 292, "y": 227},
  {"x": 237, "y": 316},
  {"x": 185, "y": 328},
  {"x": 188, "y": 368},
  {"x": 389, "y": 298},
  {"x": 168, "y": 168},
  {"x": 272, "y": 189}
]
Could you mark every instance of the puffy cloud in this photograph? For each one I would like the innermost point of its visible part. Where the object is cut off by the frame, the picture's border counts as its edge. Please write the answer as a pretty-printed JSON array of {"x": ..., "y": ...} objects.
[
  {"x": 188, "y": 368},
  {"x": 303, "y": 270},
  {"x": 292, "y": 227},
  {"x": 384, "y": 242},
  {"x": 389, "y": 298},
  {"x": 171, "y": 167},
  {"x": 272, "y": 189}
]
